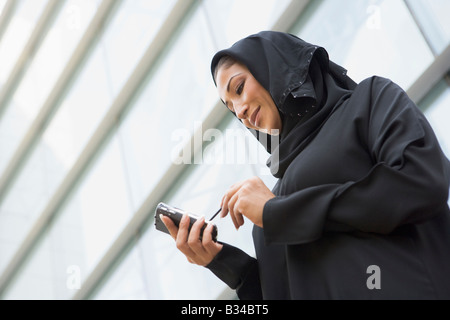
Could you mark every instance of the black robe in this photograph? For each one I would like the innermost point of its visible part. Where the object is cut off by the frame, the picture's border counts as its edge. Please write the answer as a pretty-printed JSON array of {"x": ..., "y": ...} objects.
[{"x": 363, "y": 184}]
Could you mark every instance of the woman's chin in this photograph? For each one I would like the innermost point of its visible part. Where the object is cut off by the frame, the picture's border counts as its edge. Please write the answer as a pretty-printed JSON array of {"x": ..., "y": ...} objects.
[{"x": 272, "y": 132}]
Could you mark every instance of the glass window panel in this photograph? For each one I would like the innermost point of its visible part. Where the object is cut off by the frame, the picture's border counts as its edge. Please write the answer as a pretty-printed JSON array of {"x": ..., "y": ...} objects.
[
  {"x": 78, "y": 238},
  {"x": 129, "y": 281},
  {"x": 368, "y": 37},
  {"x": 17, "y": 34},
  {"x": 233, "y": 20},
  {"x": 29, "y": 193},
  {"x": 198, "y": 97},
  {"x": 437, "y": 110},
  {"x": 433, "y": 17},
  {"x": 200, "y": 191},
  {"x": 132, "y": 29},
  {"x": 179, "y": 94},
  {"x": 81, "y": 111},
  {"x": 42, "y": 73},
  {"x": 2, "y": 5}
]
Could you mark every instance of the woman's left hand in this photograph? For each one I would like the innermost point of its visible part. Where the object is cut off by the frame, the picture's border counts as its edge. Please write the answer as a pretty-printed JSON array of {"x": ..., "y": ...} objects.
[{"x": 246, "y": 198}]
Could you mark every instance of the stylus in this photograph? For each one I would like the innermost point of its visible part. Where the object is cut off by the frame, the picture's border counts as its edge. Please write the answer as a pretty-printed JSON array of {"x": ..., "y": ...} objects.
[{"x": 215, "y": 214}]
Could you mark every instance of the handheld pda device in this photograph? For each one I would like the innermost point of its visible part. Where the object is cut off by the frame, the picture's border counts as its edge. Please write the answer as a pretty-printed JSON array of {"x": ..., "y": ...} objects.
[{"x": 176, "y": 214}]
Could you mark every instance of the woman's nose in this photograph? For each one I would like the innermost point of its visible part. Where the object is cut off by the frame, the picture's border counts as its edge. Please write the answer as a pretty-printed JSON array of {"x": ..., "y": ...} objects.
[{"x": 241, "y": 111}]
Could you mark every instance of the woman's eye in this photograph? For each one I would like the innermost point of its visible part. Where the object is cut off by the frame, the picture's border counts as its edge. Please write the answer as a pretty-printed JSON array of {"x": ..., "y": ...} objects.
[{"x": 240, "y": 89}]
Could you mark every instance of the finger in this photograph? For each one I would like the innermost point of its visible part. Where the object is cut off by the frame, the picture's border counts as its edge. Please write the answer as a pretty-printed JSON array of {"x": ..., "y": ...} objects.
[
  {"x": 210, "y": 246},
  {"x": 222, "y": 211},
  {"x": 170, "y": 225},
  {"x": 231, "y": 208},
  {"x": 194, "y": 242},
  {"x": 239, "y": 219},
  {"x": 224, "y": 206},
  {"x": 207, "y": 236},
  {"x": 237, "y": 212},
  {"x": 183, "y": 228},
  {"x": 182, "y": 237},
  {"x": 228, "y": 195}
]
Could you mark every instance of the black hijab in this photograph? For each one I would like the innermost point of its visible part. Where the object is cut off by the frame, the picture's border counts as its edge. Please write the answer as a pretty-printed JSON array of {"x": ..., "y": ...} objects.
[{"x": 304, "y": 84}]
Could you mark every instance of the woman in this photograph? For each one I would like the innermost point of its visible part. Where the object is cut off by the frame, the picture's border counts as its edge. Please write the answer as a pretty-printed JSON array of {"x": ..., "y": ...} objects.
[{"x": 360, "y": 207}]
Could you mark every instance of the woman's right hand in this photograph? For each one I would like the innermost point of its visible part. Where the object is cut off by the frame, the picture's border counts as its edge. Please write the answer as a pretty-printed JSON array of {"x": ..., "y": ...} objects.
[{"x": 200, "y": 252}]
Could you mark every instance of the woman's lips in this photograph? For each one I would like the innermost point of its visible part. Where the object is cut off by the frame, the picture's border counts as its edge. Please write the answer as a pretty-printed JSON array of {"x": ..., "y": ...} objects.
[{"x": 254, "y": 119}]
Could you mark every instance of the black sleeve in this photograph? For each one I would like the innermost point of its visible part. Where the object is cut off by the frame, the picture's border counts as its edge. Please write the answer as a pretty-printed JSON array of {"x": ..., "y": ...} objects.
[
  {"x": 408, "y": 182},
  {"x": 239, "y": 271}
]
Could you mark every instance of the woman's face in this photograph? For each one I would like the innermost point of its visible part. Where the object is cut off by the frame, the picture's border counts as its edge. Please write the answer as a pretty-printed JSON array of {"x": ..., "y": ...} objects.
[{"x": 245, "y": 96}]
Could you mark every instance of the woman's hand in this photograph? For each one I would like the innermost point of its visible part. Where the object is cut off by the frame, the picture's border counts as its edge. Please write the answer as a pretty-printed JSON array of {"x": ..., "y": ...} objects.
[
  {"x": 247, "y": 199},
  {"x": 200, "y": 252}
]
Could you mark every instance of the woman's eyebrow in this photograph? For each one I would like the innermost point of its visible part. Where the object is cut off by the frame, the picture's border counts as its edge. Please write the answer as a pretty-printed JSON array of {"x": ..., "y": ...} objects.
[{"x": 229, "y": 81}]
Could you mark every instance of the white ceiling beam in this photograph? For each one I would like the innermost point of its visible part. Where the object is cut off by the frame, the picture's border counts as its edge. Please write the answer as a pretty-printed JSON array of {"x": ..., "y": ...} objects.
[
  {"x": 40, "y": 30},
  {"x": 7, "y": 13},
  {"x": 430, "y": 77}
]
